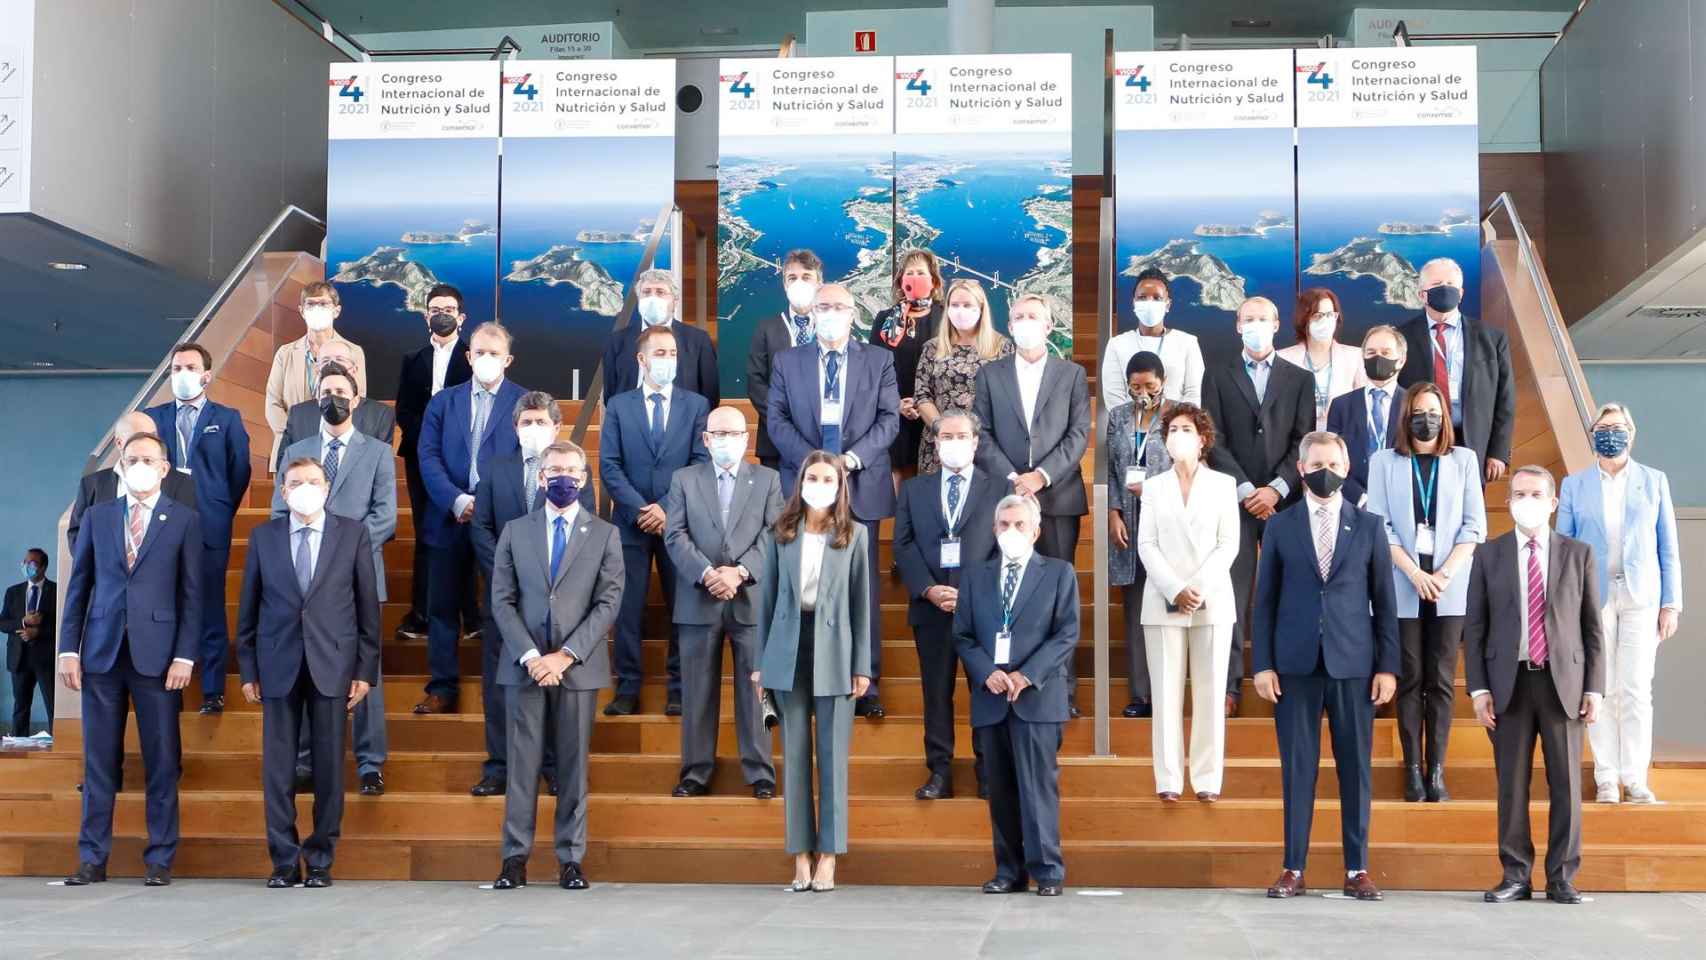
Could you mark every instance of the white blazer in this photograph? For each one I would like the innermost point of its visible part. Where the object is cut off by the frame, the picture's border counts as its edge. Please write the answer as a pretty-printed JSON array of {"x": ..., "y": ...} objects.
[
  {"x": 1189, "y": 545},
  {"x": 1347, "y": 372},
  {"x": 1181, "y": 355}
]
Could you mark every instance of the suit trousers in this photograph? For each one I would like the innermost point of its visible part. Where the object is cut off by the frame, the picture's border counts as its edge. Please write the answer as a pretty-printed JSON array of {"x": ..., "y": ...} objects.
[
  {"x": 419, "y": 503},
  {"x": 1243, "y": 587},
  {"x": 630, "y": 618},
  {"x": 452, "y": 573},
  {"x": 702, "y": 700},
  {"x": 368, "y": 739},
  {"x": 106, "y": 699},
  {"x": 1622, "y": 738},
  {"x": 26, "y": 680},
  {"x": 939, "y": 671},
  {"x": 1427, "y": 683},
  {"x": 1168, "y": 650},
  {"x": 1136, "y": 658},
  {"x": 494, "y": 702},
  {"x": 1022, "y": 765},
  {"x": 809, "y": 828},
  {"x": 568, "y": 714},
  {"x": 282, "y": 717},
  {"x": 1297, "y": 722},
  {"x": 877, "y": 579},
  {"x": 1534, "y": 713},
  {"x": 1057, "y": 537},
  {"x": 215, "y": 638}
]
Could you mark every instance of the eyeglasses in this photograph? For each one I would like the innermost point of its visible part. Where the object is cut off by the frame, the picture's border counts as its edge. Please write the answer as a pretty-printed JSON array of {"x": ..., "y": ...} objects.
[
  {"x": 725, "y": 434},
  {"x": 318, "y": 302},
  {"x": 576, "y": 472}
]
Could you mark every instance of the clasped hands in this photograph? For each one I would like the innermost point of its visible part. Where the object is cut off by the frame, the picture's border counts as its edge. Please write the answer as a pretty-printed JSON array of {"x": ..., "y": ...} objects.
[
  {"x": 1029, "y": 484},
  {"x": 1010, "y": 683},
  {"x": 357, "y": 692},
  {"x": 651, "y": 519},
  {"x": 1380, "y": 693},
  {"x": 547, "y": 669},
  {"x": 723, "y": 582},
  {"x": 946, "y": 598},
  {"x": 1261, "y": 504}
]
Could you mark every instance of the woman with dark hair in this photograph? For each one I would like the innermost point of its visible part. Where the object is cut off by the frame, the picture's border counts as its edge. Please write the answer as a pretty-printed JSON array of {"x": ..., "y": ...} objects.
[
  {"x": 1319, "y": 322},
  {"x": 815, "y": 653},
  {"x": 1137, "y": 450},
  {"x": 903, "y": 329},
  {"x": 1429, "y": 491}
]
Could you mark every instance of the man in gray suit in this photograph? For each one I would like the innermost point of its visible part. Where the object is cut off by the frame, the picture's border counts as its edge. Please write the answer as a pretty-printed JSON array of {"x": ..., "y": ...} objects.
[
  {"x": 719, "y": 518},
  {"x": 361, "y": 473},
  {"x": 556, "y": 587}
]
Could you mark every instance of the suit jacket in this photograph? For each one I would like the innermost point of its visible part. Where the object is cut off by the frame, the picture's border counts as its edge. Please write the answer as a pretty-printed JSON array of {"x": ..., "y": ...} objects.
[
  {"x": 1489, "y": 385},
  {"x": 40, "y": 650},
  {"x": 920, "y": 526},
  {"x": 1492, "y": 627},
  {"x": 447, "y": 449},
  {"x": 870, "y": 418},
  {"x": 500, "y": 498},
  {"x": 582, "y": 602},
  {"x": 1350, "y": 621},
  {"x": 1188, "y": 544},
  {"x": 1652, "y": 568},
  {"x": 364, "y": 490},
  {"x": 1460, "y": 516},
  {"x": 1045, "y": 634},
  {"x": 696, "y": 537},
  {"x": 1258, "y": 440},
  {"x": 634, "y": 468},
  {"x": 219, "y": 459},
  {"x": 1055, "y": 439},
  {"x": 773, "y": 335},
  {"x": 99, "y": 486},
  {"x": 332, "y": 629},
  {"x": 414, "y": 389},
  {"x": 841, "y": 636},
  {"x": 1347, "y": 416},
  {"x": 695, "y": 366},
  {"x": 287, "y": 381},
  {"x": 158, "y": 604},
  {"x": 372, "y": 418},
  {"x": 1119, "y": 438}
]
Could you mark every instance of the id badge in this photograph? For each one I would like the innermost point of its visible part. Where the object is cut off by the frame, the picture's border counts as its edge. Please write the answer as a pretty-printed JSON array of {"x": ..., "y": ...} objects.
[
  {"x": 1424, "y": 540},
  {"x": 950, "y": 553},
  {"x": 1134, "y": 475},
  {"x": 184, "y": 470},
  {"x": 831, "y": 412},
  {"x": 1003, "y": 648}
]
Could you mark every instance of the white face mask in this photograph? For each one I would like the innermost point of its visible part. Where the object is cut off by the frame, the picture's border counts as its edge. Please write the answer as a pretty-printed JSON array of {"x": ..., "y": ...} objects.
[
  {"x": 1029, "y": 334},
  {"x": 318, "y": 318},
  {"x": 1149, "y": 313},
  {"x": 801, "y": 293},
  {"x": 1321, "y": 329},
  {"x": 964, "y": 318},
  {"x": 306, "y": 499},
  {"x": 819, "y": 496},
  {"x": 662, "y": 370},
  {"x": 141, "y": 480},
  {"x": 654, "y": 311},
  {"x": 186, "y": 384},
  {"x": 1184, "y": 446},
  {"x": 535, "y": 437},
  {"x": 488, "y": 368},
  {"x": 1530, "y": 513},
  {"x": 832, "y": 326},
  {"x": 1258, "y": 336},
  {"x": 957, "y": 454},
  {"x": 1015, "y": 544},
  {"x": 727, "y": 451}
]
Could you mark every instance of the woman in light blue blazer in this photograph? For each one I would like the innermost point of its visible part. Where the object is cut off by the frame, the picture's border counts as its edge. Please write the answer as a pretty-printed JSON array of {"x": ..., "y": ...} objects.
[
  {"x": 1622, "y": 509},
  {"x": 815, "y": 653},
  {"x": 1429, "y": 491}
]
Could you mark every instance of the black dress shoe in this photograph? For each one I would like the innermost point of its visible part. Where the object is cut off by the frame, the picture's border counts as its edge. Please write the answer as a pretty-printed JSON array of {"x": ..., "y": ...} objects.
[
  {"x": 869, "y": 705},
  {"x": 86, "y": 874},
  {"x": 283, "y": 878},
  {"x": 212, "y": 705},
  {"x": 937, "y": 787},
  {"x": 571, "y": 877},
  {"x": 1436, "y": 784},
  {"x": 673, "y": 707},
  {"x": 318, "y": 879},
  {"x": 622, "y": 705},
  {"x": 372, "y": 784},
  {"x": 413, "y": 625},
  {"x": 490, "y": 787},
  {"x": 1137, "y": 710},
  {"x": 1509, "y": 891},
  {"x": 552, "y": 788},
  {"x": 689, "y": 788},
  {"x": 514, "y": 874},
  {"x": 303, "y": 782},
  {"x": 1415, "y": 788},
  {"x": 157, "y": 877},
  {"x": 1003, "y": 885},
  {"x": 764, "y": 790},
  {"x": 982, "y": 790},
  {"x": 1049, "y": 890},
  {"x": 1563, "y": 892}
]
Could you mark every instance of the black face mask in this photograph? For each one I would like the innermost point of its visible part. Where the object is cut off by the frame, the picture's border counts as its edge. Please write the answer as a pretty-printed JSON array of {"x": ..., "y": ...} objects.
[
  {"x": 334, "y": 409},
  {"x": 1323, "y": 482},
  {"x": 1379, "y": 369},
  {"x": 442, "y": 324},
  {"x": 1444, "y": 298},
  {"x": 1424, "y": 426}
]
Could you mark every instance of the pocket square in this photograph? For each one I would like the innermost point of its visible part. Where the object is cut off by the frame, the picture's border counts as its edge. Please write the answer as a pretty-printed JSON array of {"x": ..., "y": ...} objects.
[{"x": 211, "y": 428}]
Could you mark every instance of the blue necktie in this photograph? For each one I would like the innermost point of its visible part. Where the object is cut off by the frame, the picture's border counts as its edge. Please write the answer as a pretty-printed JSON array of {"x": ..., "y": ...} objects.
[
  {"x": 802, "y": 330},
  {"x": 304, "y": 560},
  {"x": 186, "y": 432},
  {"x": 481, "y": 401},
  {"x": 34, "y": 601},
  {"x": 657, "y": 417},
  {"x": 559, "y": 546},
  {"x": 331, "y": 462},
  {"x": 831, "y": 393},
  {"x": 954, "y": 481},
  {"x": 1009, "y": 583},
  {"x": 1258, "y": 378},
  {"x": 1377, "y": 439}
]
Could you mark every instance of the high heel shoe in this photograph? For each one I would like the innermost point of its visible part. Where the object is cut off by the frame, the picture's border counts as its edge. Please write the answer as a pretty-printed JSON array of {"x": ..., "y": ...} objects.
[{"x": 798, "y": 886}]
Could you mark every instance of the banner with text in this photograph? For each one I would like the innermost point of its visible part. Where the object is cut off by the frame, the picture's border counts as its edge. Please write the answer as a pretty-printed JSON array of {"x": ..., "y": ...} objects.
[{"x": 17, "y": 40}]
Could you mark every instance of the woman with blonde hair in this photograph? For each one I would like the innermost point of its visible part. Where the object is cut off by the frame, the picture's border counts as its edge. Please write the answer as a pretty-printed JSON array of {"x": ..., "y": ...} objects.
[{"x": 949, "y": 362}]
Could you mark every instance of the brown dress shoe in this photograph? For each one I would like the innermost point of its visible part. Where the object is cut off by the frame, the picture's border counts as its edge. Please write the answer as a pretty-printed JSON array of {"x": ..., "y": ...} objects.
[
  {"x": 1206, "y": 797},
  {"x": 1289, "y": 884},
  {"x": 434, "y": 703},
  {"x": 1231, "y": 705},
  {"x": 1361, "y": 887},
  {"x": 1167, "y": 796}
]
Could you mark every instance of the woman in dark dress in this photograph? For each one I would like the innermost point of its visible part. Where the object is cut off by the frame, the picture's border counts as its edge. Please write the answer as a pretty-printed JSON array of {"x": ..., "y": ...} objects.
[{"x": 902, "y": 330}]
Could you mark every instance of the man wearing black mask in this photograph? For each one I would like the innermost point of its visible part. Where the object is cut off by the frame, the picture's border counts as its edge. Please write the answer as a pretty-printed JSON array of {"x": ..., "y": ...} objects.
[
  {"x": 376, "y": 420},
  {"x": 1468, "y": 360}
]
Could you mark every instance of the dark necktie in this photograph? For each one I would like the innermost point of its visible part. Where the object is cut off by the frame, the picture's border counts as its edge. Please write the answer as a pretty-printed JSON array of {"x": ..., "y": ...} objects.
[
  {"x": 1008, "y": 584},
  {"x": 304, "y": 560},
  {"x": 802, "y": 330},
  {"x": 34, "y": 600},
  {"x": 831, "y": 432},
  {"x": 657, "y": 417},
  {"x": 559, "y": 546},
  {"x": 331, "y": 463},
  {"x": 954, "y": 481}
]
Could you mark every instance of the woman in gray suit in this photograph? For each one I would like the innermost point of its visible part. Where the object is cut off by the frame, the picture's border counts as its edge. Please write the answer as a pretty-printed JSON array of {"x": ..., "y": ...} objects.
[
  {"x": 1137, "y": 450},
  {"x": 1429, "y": 491},
  {"x": 815, "y": 653}
]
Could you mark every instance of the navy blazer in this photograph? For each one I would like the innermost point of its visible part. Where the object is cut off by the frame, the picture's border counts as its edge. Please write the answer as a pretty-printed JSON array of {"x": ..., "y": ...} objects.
[
  {"x": 333, "y": 629},
  {"x": 695, "y": 365},
  {"x": 634, "y": 469},
  {"x": 867, "y": 426},
  {"x": 1347, "y": 416},
  {"x": 219, "y": 464},
  {"x": 158, "y": 604},
  {"x": 445, "y": 452},
  {"x": 919, "y": 527},
  {"x": 1045, "y": 634},
  {"x": 414, "y": 389},
  {"x": 500, "y": 498},
  {"x": 1350, "y": 621}
]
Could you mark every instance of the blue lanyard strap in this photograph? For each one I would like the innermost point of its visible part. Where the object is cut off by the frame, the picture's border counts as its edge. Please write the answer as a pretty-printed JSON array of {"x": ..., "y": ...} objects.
[{"x": 1427, "y": 488}]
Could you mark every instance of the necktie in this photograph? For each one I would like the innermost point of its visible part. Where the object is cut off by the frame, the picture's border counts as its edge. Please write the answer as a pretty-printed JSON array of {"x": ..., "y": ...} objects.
[
  {"x": 310, "y": 369},
  {"x": 133, "y": 542},
  {"x": 1536, "y": 607},
  {"x": 1258, "y": 378},
  {"x": 481, "y": 399},
  {"x": 530, "y": 480},
  {"x": 831, "y": 375},
  {"x": 34, "y": 600},
  {"x": 1324, "y": 540},
  {"x": 954, "y": 481},
  {"x": 1442, "y": 372},
  {"x": 559, "y": 543},
  {"x": 725, "y": 493},
  {"x": 802, "y": 332},
  {"x": 304, "y": 560},
  {"x": 331, "y": 462},
  {"x": 1377, "y": 438},
  {"x": 1008, "y": 583},
  {"x": 657, "y": 417},
  {"x": 186, "y": 432}
]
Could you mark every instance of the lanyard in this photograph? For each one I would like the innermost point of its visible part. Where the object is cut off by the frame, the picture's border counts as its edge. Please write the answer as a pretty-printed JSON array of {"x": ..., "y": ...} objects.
[
  {"x": 1427, "y": 489},
  {"x": 953, "y": 518},
  {"x": 1320, "y": 391}
]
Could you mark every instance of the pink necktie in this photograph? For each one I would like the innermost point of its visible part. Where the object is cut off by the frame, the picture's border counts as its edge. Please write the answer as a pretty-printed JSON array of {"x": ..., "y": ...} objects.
[{"x": 1536, "y": 607}]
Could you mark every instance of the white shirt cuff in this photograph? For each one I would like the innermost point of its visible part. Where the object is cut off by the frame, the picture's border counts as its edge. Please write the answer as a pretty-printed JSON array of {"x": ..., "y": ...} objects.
[
  {"x": 708, "y": 569},
  {"x": 1245, "y": 489},
  {"x": 1279, "y": 485},
  {"x": 529, "y": 655},
  {"x": 71, "y": 653},
  {"x": 1047, "y": 481},
  {"x": 1477, "y": 693},
  {"x": 461, "y": 504},
  {"x": 183, "y": 660},
  {"x": 853, "y": 461}
]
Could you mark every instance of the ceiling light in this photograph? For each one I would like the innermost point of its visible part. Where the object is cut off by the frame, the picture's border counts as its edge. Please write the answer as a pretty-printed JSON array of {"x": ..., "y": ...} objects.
[
  {"x": 719, "y": 31},
  {"x": 67, "y": 265},
  {"x": 1250, "y": 23}
]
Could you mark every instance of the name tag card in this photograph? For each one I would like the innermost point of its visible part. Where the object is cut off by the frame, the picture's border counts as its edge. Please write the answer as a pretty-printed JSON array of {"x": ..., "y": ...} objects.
[
  {"x": 1424, "y": 540},
  {"x": 950, "y": 553},
  {"x": 1134, "y": 475},
  {"x": 831, "y": 412},
  {"x": 1003, "y": 648}
]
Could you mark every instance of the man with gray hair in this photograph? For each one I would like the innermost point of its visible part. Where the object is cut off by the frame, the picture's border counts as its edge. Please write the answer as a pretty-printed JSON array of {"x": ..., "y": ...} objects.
[
  {"x": 1468, "y": 360},
  {"x": 658, "y": 301}
]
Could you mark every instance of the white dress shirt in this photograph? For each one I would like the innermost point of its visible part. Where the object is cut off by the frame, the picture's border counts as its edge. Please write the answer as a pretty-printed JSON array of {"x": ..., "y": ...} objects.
[
  {"x": 852, "y": 460},
  {"x": 1030, "y": 383},
  {"x": 665, "y": 392},
  {"x": 1522, "y": 541},
  {"x": 147, "y": 507},
  {"x": 186, "y": 445},
  {"x": 1614, "y": 489},
  {"x": 952, "y": 517},
  {"x": 327, "y": 436},
  {"x": 463, "y": 500},
  {"x": 1453, "y": 357},
  {"x": 1181, "y": 358},
  {"x": 441, "y": 354},
  {"x": 316, "y": 530},
  {"x": 569, "y": 515},
  {"x": 811, "y": 567}
]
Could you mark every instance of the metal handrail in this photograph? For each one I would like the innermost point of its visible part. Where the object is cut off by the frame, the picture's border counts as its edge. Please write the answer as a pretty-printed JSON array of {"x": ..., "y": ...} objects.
[
  {"x": 328, "y": 30},
  {"x": 505, "y": 45},
  {"x": 1402, "y": 37},
  {"x": 196, "y": 326},
  {"x": 1548, "y": 307}
]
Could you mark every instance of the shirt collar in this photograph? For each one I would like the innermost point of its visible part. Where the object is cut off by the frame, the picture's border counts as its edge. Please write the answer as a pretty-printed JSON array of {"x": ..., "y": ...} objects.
[
  {"x": 493, "y": 392},
  {"x": 965, "y": 473},
  {"x": 1453, "y": 319},
  {"x": 326, "y": 436},
  {"x": 823, "y": 351},
  {"x": 318, "y": 524},
  {"x": 733, "y": 473},
  {"x": 1524, "y": 539},
  {"x": 1333, "y": 504},
  {"x": 200, "y": 399},
  {"x": 1036, "y": 364},
  {"x": 568, "y": 513},
  {"x": 148, "y": 504},
  {"x": 649, "y": 391},
  {"x": 1266, "y": 361},
  {"x": 443, "y": 347},
  {"x": 1606, "y": 476}
]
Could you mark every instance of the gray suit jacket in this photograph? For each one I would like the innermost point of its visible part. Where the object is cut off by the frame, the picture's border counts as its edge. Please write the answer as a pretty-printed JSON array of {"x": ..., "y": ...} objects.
[
  {"x": 696, "y": 538},
  {"x": 1054, "y": 442},
  {"x": 1492, "y": 623},
  {"x": 582, "y": 602},
  {"x": 841, "y": 643},
  {"x": 365, "y": 489}
]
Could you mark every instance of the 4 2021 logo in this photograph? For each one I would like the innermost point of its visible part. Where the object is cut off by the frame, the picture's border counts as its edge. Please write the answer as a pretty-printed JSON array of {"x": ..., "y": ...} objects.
[
  {"x": 350, "y": 95},
  {"x": 1134, "y": 89},
  {"x": 1320, "y": 82},
  {"x": 917, "y": 89},
  {"x": 741, "y": 91}
]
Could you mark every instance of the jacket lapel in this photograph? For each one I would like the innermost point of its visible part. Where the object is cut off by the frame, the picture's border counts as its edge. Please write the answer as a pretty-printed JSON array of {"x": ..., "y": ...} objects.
[
  {"x": 1241, "y": 379},
  {"x": 1554, "y": 573},
  {"x": 282, "y": 551},
  {"x": 330, "y": 536},
  {"x": 737, "y": 500},
  {"x": 352, "y": 441},
  {"x": 576, "y": 546},
  {"x": 1341, "y": 539},
  {"x": 150, "y": 535},
  {"x": 1634, "y": 495}
]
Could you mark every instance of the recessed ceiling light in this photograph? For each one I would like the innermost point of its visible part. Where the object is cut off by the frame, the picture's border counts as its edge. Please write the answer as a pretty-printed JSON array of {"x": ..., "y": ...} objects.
[
  {"x": 67, "y": 265},
  {"x": 1251, "y": 23},
  {"x": 719, "y": 31},
  {"x": 41, "y": 363}
]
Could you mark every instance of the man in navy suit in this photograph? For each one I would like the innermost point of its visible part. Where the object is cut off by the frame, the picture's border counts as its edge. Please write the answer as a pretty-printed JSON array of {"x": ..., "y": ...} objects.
[
  {"x": 1367, "y": 418},
  {"x": 648, "y": 434},
  {"x": 1324, "y": 637},
  {"x": 207, "y": 440},
  {"x": 840, "y": 395},
  {"x": 132, "y": 619},
  {"x": 696, "y": 362},
  {"x": 1014, "y": 647},
  {"x": 307, "y": 646},
  {"x": 462, "y": 431}
]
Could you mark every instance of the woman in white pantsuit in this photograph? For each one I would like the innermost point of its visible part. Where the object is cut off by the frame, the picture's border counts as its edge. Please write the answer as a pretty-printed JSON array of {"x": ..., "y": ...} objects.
[{"x": 1187, "y": 538}]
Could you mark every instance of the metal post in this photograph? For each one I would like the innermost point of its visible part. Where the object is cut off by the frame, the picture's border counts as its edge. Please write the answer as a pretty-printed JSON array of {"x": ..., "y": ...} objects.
[{"x": 1104, "y": 331}]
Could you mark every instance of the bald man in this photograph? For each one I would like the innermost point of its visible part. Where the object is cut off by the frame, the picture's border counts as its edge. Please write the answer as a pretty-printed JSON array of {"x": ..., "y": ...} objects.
[{"x": 104, "y": 483}]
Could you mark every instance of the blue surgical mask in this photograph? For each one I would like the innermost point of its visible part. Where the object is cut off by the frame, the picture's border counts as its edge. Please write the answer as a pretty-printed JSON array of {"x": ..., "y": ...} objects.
[
  {"x": 31, "y": 571},
  {"x": 727, "y": 451},
  {"x": 1610, "y": 443},
  {"x": 662, "y": 370}
]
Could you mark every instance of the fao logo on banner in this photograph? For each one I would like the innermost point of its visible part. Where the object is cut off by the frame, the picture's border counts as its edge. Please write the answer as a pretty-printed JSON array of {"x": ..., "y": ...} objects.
[
  {"x": 1135, "y": 87},
  {"x": 917, "y": 96},
  {"x": 740, "y": 91},
  {"x": 350, "y": 96},
  {"x": 1321, "y": 84}
]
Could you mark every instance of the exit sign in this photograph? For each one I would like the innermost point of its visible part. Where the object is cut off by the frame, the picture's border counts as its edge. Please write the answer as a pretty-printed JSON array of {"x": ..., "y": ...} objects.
[{"x": 864, "y": 41}]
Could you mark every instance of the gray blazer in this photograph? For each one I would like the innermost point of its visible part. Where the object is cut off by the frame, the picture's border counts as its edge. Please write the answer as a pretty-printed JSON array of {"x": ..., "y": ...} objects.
[
  {"x": 693, "y": 534},
  {"x": 1460, "y": 516},
  {"x": 1121, "y": 441},
  {"x": 841, "y": 644},
  {"x": 582, "y": 602},
  {"x": 365, "y": 489}
]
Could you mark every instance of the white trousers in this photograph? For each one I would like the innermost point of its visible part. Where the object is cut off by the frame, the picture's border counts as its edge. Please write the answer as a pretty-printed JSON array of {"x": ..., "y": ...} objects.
[
  {"x": 1622, "y": 738},
  {"x": 1207, "y": 649}
]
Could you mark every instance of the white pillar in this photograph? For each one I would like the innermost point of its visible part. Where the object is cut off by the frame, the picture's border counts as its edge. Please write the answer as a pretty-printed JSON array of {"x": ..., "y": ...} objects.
[{"x": 971, "y": 26}]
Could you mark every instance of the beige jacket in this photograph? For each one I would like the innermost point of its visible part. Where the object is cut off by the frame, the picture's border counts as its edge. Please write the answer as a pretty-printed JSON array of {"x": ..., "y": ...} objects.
[{"x": 287, "y": 383}]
